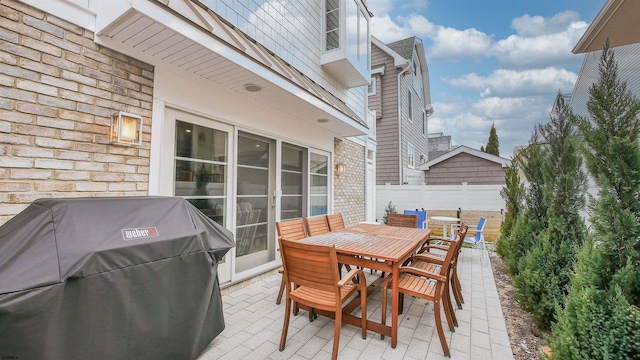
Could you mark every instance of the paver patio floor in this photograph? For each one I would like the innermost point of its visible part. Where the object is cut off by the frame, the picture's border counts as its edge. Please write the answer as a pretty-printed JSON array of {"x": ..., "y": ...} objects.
[{"x": 254, "y": 324}]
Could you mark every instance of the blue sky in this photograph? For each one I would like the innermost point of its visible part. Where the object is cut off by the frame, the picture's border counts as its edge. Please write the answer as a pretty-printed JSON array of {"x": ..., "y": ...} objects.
[{"x": 491, "y": 61}]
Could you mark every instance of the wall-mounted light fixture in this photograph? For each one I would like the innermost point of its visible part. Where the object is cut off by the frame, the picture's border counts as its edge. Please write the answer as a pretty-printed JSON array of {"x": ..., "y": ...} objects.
[
  {"x": 340, "y": 169},
  {"x": 126, "y": 129}
]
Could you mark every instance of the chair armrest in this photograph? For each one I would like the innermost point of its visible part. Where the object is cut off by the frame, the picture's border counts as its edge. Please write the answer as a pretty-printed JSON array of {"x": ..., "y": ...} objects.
[
  {"x": 438, "y": 238},
  {"x": 426, "y": 248},
  {"x": 418, "y": 272},
  {"x": 437, "y": 247},
  {"x": 427, "y": 258},
  {"x": 350, "y": 275}
]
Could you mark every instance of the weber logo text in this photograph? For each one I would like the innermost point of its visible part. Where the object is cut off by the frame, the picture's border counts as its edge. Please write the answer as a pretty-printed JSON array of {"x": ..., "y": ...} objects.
[{"x": 139, "y": 233}]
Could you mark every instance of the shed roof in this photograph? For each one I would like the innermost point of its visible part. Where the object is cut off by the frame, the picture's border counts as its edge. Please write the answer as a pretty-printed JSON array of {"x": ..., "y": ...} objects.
[{"x": 465, "y": 149}]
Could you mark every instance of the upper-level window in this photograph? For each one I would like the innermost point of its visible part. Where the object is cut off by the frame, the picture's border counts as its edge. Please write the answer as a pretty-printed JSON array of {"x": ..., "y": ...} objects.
[
  {"x": 411, "y": 156},
  {"x": 409, "y": 107},
  {"x": 332, "y": 24},
  {"x": 424, "y": 124},
  {"x": 371, "y": 89},
  {"x": 346, "y": 49},
  {"x": 363, "y": 36}
]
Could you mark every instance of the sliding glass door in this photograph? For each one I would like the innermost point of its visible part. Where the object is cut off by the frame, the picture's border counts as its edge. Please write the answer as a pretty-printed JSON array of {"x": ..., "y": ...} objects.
[{"x": 255, "y": 201}]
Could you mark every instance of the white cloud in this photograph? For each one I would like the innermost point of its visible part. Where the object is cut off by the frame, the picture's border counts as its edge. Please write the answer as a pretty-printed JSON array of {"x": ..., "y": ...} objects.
[
  {"x": 469, "y": 123},
  {"x": 528, "y": 26},
  {"x": 388, "y": 30},
  {"x": 541, "y": 42},
  {"x": 450, "y": 44},
  {"x": 512, "y": 83}
]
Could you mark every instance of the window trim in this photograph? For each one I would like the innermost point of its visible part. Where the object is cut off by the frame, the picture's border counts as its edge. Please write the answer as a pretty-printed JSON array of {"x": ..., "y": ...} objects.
[
  {"x": 338, "y": 29},
  {"x": 411, "y": 156},
  {"x": 371, "y": 89},
  {"x": 409, "y": 106}
]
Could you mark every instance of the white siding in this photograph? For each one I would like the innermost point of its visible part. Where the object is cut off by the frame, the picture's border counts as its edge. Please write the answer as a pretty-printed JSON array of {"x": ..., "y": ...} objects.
[{"x": 292, "y": 30}]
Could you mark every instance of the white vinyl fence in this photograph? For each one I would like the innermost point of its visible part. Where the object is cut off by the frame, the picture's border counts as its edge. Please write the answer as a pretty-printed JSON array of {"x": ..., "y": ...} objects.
[{"x": 439, "y": 197}]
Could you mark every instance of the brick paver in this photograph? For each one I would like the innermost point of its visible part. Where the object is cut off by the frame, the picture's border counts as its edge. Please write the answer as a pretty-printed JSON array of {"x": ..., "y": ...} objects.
[{"x": 254, "y": 325}]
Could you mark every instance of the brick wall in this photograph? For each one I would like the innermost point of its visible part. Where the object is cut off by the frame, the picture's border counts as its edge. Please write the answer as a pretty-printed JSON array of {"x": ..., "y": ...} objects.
[
  {"x": 57, "y": 92},
  {"x": 349, "y": 196}
]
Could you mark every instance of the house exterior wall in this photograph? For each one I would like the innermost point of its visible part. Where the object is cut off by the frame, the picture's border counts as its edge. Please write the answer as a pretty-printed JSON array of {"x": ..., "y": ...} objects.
[
  {"x": 350, "y": 197},
  {"x": 59, "y": 88},
  {"x": 387, "y": 137},
  {"x": 394, "y": 135},
  {"x": 292, "y": 30},
  {"x": 412, "y": 130},
  {"x": 58, "y": 91},
  {"x": 465, "y": 168},
  {"x": 375, "y": 101}
]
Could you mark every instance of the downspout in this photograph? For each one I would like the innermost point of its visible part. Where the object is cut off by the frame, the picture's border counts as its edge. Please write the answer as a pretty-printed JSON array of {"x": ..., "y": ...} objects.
[{"x": 400, "y": 167}]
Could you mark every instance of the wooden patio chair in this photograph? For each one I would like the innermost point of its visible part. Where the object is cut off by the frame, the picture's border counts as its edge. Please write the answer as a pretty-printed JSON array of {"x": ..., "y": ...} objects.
[
  {"x": 431, "y": 261},
  {"x": 336, "y": 222},
  {"x": 292, "y": 230},
  {"x": 313, "y": 280},
  {"x": 402, "y": 220},
  {"x": 428, "y": 286},
  {"x": 317, "y": 225}
]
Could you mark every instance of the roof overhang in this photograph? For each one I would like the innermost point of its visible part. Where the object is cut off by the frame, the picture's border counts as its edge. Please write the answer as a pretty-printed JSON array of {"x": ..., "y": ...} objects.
[
  {"x": 398, "y": 60},
  {"x": 618, "y": 21},
  {"x": 465, "y": 149},
  {"x": 187, "y": 35}
]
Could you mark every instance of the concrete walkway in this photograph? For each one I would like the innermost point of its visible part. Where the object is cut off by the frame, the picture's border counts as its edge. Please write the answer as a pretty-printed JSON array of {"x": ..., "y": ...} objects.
[{"x": 254, "y": 324}]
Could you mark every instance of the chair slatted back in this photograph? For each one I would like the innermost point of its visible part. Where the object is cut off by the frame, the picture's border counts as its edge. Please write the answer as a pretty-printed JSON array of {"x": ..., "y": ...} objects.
[
  {"x": 315, "y": 266},
  {"x": 291, "y": 229},
  {"x": 402, "y": 220},
  {"x": 317, "y": 225},
  {"x": 480, "y": 229},
  {"x": 422, "y": 217},
  {"x": 336, "y": 222},
  {"x": 452, "y": 252}
]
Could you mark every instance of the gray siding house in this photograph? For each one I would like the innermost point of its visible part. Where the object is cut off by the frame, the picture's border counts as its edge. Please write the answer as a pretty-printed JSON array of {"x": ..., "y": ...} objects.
[
  {"x": 465, "y": 165},
  {"x": 399, "y": 95}
]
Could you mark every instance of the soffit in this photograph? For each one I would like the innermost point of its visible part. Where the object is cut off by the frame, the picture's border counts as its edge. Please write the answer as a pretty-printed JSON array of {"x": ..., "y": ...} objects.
[
  {"x": 618, "y": 21},
  {"x": 186, "y": 34}
]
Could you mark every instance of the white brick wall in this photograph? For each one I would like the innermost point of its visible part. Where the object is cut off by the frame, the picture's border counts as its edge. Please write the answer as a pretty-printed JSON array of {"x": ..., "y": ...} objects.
[{"x": 350, "y": 197}]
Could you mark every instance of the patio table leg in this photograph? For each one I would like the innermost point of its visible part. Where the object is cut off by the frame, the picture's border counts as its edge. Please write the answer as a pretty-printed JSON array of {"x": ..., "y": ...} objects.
[{"x": 394, "y": 307}]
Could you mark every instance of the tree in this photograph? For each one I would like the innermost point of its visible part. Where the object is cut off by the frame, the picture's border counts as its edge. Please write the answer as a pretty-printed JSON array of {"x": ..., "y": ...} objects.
[
  {"x": 546, "y": 269},
  {"x": 389, "y": 209},
  {"x": 493, "y": 144},
  {"x": 601, "y": 319},
  {"x": 513, "y": 194},
  {"x": 533, "y": 218}
]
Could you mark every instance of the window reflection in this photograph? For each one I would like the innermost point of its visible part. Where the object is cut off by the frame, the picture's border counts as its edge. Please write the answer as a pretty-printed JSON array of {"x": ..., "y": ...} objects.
[
  {"x": 200, "y": 168},
  {"x": 318, "y": 188}
]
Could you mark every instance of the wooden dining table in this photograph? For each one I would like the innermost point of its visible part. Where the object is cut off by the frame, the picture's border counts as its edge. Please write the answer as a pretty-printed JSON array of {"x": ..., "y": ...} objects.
[{"x": 379, "y": 247}]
